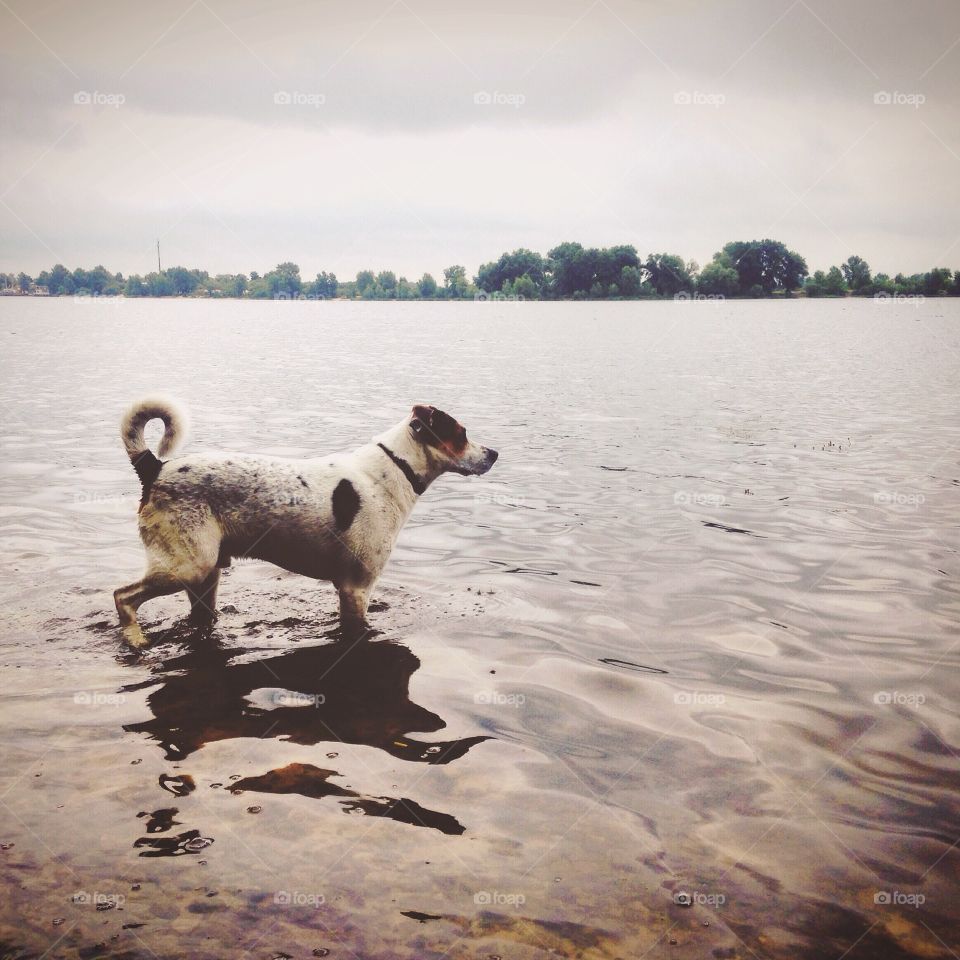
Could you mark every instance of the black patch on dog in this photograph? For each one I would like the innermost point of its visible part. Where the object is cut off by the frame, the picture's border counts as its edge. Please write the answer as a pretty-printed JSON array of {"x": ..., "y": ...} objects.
[
  {"x": 346, "y": 503},
  {"x": 184, "y": 470},
  {"x": 304, "y": 482},
  {"x": 148, "y": 468}
]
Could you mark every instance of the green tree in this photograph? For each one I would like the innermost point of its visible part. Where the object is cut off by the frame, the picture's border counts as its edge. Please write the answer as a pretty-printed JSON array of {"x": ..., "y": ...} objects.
[
  {"x": 856, "y": 273},
  {"x": 834, "y": 284},
  {"x": 24, "y": 282},
  {"x": 511, "y": 266},
  {"x": 284, "y": 283},
  {"x": 937, "y": 281},
  {"x": 159, "y": 285},
  {"x": 668, "y": 274},
  {"x": 324, "y": 287},
  {"x": 630, "y": 281},
  {"x": 814, "y": 284},
  {"x": 455, "y": 284},
  {"x": 766, "y": 265},
  {"x": 228, "y": 285},
  {"x": 526, "y": 288},
  {"x": 575, "y": 269},
  {"x": 365, "y": 279},
  {"x": 719, "y": 278},
  {"x": 61, "y": 281},
  {"x": 135, "y": 287},
  {"x": 570, "y": 269},
  {"x": 183, "y": 281},
  {"x": 427, "y": 285},
  {"x": 387, "y": 282}
]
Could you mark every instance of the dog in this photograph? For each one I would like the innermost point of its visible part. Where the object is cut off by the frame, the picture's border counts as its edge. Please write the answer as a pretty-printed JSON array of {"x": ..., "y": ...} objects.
[{"x": 332, "y": 518}]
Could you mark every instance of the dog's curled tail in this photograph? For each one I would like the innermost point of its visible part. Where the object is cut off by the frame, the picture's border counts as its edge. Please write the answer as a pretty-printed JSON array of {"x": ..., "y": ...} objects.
[{"x": 131, "y": 432}]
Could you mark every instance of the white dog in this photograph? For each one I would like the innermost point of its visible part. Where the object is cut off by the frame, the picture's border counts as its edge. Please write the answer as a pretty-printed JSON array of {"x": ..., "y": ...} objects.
[{"x": 332, "y": 518}]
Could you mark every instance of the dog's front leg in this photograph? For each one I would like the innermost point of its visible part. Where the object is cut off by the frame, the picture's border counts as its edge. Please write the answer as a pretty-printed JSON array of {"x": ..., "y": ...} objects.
[{"x": 353, "y": 609}]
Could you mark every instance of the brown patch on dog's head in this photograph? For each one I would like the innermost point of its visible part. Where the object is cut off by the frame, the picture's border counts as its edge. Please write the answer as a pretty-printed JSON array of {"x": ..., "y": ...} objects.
[{"x": 438, "y": 429}]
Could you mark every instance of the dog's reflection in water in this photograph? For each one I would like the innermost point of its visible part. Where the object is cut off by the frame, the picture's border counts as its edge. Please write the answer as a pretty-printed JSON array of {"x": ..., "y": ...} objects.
[{"x": 337, "y": 692}]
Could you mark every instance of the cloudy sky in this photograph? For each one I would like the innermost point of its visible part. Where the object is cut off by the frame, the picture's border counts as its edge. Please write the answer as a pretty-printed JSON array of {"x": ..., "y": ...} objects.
[{"x": 412, "y": 134}]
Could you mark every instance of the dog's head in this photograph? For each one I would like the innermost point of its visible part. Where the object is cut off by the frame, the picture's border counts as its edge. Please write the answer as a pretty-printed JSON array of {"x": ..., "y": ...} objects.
[{"x": 445, "y": 442}]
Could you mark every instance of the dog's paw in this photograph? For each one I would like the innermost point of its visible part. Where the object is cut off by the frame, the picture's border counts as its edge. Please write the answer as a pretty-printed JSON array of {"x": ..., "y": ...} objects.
[{"x": 134, "y": 637}]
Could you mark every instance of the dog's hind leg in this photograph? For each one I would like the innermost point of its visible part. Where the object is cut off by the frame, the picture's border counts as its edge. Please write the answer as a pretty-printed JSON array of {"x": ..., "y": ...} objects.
[
  {"x": 203, "y": 599},
  {"x": 128, "y": 599}
]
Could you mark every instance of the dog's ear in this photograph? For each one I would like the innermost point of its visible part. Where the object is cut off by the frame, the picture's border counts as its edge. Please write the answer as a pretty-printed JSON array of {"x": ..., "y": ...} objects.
[{"x": 422, "y": 417}]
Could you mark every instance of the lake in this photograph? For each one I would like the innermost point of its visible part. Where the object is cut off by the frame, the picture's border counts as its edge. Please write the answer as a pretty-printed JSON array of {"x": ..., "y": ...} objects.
[{"x": 678, "y": 677}]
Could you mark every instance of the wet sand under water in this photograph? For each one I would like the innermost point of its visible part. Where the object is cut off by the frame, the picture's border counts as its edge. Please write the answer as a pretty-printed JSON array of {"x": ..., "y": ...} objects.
[{"x": 678, "y": 678}]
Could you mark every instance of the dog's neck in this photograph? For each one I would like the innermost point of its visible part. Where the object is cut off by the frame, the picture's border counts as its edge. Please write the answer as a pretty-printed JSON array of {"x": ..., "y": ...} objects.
[{"x": 409, "y": 462}]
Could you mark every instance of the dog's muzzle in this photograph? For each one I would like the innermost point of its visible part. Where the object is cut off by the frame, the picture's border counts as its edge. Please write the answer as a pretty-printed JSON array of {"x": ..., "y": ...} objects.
[{"x": 489, "y": 459}]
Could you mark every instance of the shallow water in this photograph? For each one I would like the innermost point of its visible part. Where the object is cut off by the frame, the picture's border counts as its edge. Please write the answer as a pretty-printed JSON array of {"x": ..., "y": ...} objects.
[{"x": 677, "y": 678}]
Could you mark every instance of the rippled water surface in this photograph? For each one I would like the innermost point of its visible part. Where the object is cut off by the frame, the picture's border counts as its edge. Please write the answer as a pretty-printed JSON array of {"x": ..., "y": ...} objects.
[{"x": 677, "y": 678}]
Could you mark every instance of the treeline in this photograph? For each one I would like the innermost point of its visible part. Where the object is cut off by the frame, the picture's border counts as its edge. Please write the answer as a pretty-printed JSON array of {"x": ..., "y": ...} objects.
[{"x": 570, "y": 271}]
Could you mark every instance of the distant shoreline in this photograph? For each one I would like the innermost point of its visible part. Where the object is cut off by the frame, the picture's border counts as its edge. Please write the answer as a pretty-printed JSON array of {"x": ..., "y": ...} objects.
[
  {"x": 742, "y": 270},
  {"x": 793, "y": 297}
]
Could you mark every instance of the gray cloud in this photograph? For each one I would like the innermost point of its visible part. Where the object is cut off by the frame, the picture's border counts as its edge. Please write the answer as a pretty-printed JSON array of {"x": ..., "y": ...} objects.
[{"x": 669, "y": 125}]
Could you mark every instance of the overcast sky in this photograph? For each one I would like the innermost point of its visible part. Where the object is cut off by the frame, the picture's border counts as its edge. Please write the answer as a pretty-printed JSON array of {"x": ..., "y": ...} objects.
[{"x": 412, "y": 134}]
